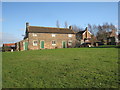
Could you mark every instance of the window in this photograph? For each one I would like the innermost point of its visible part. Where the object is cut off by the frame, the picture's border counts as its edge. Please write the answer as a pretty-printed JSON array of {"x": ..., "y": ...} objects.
[
  {"x": 70, "y": 43},
  {"x": 53, "y": 35},
  {"x": 34, "y": 34},
  {"x": 53, "y": 43},
  {"x": 69, "y": 35},
  {"x": 109, "y": 40},
  {"x": 35, "y": 43}
]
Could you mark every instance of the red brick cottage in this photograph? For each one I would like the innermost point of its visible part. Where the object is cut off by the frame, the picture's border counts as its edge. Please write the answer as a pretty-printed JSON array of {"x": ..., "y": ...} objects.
[
  {"x": 112, "y": 37},
  {"x": 47, "y": 38},
  {"x": 84, "y": 36}
]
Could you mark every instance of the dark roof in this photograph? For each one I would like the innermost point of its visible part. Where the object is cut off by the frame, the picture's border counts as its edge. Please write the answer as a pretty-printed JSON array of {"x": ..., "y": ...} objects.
[
  {"x": 110, "y": 32},
  {"x": 36, "y": 29},
  {"x": 81, "y": 32}
]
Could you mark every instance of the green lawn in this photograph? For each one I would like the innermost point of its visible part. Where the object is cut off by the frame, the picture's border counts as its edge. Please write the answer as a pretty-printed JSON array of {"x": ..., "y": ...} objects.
[{"x": 61, "y": 68}]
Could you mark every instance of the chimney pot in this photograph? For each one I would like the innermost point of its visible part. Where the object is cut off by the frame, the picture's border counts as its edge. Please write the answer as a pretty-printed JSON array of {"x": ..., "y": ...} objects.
[
  {"x": 27, "y": 24},
  {"x": 86, "y": 28},
  {"x": 70, "y": 27}
]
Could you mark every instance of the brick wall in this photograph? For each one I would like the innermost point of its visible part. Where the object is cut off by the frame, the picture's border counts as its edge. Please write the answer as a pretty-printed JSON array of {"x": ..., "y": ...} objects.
[
  {"x": 47, "y": 38},
  {"x": 19, "y": 45},
  {"x": 113, "y": 34},
  {"x": 86, "y": 35}
]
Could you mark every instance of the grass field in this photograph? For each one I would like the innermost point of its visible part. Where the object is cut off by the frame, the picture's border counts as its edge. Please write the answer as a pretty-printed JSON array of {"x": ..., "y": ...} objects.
[{"x": 61, "y": 68}]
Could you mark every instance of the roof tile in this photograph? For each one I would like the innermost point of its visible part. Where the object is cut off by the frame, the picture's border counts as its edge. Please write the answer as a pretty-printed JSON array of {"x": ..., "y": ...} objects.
[{"x": 36, "y": 29}]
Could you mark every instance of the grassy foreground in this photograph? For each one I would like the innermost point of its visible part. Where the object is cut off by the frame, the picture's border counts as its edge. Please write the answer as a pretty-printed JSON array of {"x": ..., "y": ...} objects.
[{"x": 61, "y": 68}]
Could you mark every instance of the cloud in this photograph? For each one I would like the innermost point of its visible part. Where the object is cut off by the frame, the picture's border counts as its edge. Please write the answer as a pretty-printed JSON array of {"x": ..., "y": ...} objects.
[{"x": 7, "y": 38}]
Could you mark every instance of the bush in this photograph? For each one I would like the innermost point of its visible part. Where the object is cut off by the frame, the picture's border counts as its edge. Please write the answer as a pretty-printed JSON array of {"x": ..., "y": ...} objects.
[{"x": 109, "y": 46}]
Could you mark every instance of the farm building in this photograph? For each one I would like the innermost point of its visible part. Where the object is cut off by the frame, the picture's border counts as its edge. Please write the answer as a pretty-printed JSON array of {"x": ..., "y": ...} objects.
[
  {"x": 112, "y": 38},
  {"x": 9, "y": 47},
  {"x": 84, "y": 38},
  {"x": 47, "y": 38}
]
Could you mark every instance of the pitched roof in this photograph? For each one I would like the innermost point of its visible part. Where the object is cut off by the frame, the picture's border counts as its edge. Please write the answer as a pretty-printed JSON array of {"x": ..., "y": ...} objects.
[
  {"x": 81, "y": 32},
  {"x": 37, "y": 29},
  {"x": 9, "y": 44},
  {"x": 111, "y": 33}
]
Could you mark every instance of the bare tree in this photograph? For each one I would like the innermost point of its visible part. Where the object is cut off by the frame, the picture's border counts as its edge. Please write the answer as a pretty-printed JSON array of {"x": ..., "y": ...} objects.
[
  {"x": 106, "y": 27},
  {"x": 76, "y": 28},
  {"x": 113, "y": 27},
  {"x": 66, "y": 24},
  {"x": 94, "y": 29},
  {"x": 103, "y": 31},
  {"x": 90, "y": 28},
  {"x": 57, "y": 24}
]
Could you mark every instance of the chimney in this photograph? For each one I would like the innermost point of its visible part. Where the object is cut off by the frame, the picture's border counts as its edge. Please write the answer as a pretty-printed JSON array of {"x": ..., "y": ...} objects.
[
  {"x": 86, "y": 32},
  {"x": 70, "y": 27},
  {"x": 27, "y": 24},
  {"x": 86, "y": 29}
]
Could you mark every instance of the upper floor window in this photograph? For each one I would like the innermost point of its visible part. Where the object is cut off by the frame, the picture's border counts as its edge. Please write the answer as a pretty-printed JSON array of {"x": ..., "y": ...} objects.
[
  {"x": 34, "y": 34},
  {"x": 53, "y": 35},
  {"x": 69, "y": 35},
  {"x": 53, "y": 42},
  {"x": 35, "y": 43}
]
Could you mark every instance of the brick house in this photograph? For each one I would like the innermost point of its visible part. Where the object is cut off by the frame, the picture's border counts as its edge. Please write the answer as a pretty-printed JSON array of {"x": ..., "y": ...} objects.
[
  {"x": 118, "y": 39},
  {"x": 47, "y": 38},
  {"x": 22, "y": 45},
  {"x": 112, "y": 37},
  {"x": 83, "y": 36}
]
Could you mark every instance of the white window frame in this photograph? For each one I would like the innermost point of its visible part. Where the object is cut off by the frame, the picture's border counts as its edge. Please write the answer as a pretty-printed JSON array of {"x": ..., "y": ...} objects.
[
  {"x": 34, "y": 34},
  {"x": 53, "y": 44},
  {"x": 69, "y": 35},
  {"x": 53, "y": 35},
  {"x": 23, "y": 45},
  {"x": 34, "y": 43}
]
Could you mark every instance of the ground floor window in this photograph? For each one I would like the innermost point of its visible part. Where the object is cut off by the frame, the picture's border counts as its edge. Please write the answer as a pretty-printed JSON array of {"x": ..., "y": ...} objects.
[
  {"x": 70, "y": 43},
  {"x": 53, "y": 42},
  {"x": 35, "y": 43}
]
